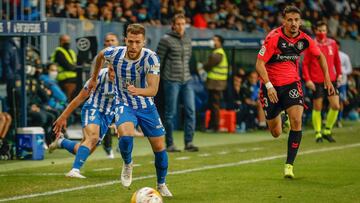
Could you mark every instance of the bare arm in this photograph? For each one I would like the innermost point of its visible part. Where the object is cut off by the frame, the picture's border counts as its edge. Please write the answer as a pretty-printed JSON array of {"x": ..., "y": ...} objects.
[
  {"x": 61, "y": 122},
  {"x": 260, "y": 68},
  {"x": 99, "y": 62},
  {"x": 150, "y": 91}
]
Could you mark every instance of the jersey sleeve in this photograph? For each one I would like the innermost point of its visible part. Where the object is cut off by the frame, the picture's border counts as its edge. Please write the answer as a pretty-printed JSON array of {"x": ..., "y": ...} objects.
[
  {"x": 153, "y": 64},
  {"x": 313, "y": 48},
  {"x": 306, "y": 65},
  {"x": 337, "y": 61},
  {"x": 109, "y": 54},
  {"x": 268, "y": 48}
]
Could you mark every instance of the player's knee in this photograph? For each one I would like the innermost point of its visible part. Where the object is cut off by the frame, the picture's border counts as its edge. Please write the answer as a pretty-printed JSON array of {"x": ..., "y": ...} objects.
[
  {"x": 2, "y": 118},
  {"x": 295, "y": 123},
  {"x": 336, "y": 107},
  {"x": 8, "y": 118},
  {"x": 93, "y": 140},
  {"x": 276, "y": 132}
]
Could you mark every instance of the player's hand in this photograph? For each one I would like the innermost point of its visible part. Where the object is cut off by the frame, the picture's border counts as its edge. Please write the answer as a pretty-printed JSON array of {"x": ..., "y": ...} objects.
[
  {"x": 272, "y": 94},
  {"x": 309, "y": 84},
  {"x": 133, "y": 90},
  {"x": 58, "y": 125},
  {"x": 329, "y": 86}
]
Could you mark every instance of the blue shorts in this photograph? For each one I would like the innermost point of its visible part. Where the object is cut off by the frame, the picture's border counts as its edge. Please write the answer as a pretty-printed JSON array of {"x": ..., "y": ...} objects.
[
  {"x": 342, "y": 92},
  {"x": 91, "y": 115},
  {"x": 148, "y": 119}
]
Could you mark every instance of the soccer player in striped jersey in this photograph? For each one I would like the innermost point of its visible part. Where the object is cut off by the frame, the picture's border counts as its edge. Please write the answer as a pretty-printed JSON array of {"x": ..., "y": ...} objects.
[
  {"x": 96, "y": 116},
  {"x": 137, "y": 72}
]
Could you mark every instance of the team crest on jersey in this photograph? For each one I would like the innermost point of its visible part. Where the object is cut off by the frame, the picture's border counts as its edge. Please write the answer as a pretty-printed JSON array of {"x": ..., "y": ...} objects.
[
  {"x": 92, "y": 118},
  {"x": 262, "y": 51},
  {"x": 294, "y": 93},
  {"x": 300, "y": 45}
]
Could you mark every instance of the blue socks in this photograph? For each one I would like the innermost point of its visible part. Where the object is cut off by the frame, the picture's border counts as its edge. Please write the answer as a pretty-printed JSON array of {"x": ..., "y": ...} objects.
[
  {"x": 81, "y": 156},
  {"x": 161, "y": 164},
  {"x": 126, "y": 147},
  {"x": 161, "y": 158},
  {"x": 68, "y": 145}
]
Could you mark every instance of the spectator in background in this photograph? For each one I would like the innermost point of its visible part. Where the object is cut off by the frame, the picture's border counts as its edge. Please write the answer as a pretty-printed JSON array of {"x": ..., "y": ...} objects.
[
  {"x": 58, "y": 99},
  {"x": 142, "y": 16},
  {"x": 66, "y": 59},
  {"x": 70, "y": 10},
  {"x": 312, "y": 73},
  {"x": 119, "y": 15},
  {"x": 37, "y": 99},
  {"x": 217, "y": 68},
  {"x": 236, "y": 98},
  {"x": 252, "y": 114},
  {"x": 92, "y": 11},
  {"x": 174, "y": 51},
  {"x": 59, "y": 8},
  {"x": 49, "y": 7},
  {"x": 154, "y": 14},
  {"x": 106, "y": 14},
  {"x": 346, "y": 70},
  {"x": 10, "y": 58}
]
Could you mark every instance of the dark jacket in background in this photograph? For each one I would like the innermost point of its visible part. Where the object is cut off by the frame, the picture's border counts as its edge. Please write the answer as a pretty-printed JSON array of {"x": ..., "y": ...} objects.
[{"x": 175, "y": 54}]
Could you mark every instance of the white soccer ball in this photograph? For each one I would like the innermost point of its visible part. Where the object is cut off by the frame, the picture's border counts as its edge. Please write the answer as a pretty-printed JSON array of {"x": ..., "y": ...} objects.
[{"x": 146, "y": 195}]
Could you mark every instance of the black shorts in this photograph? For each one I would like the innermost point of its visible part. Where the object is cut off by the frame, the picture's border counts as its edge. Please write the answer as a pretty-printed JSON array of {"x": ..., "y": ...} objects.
[
  {"x": 321, "y": 92},
  {"x": 288, "y": 95}
]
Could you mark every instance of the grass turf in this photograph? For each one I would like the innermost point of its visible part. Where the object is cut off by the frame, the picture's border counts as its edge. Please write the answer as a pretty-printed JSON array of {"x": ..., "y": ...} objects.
[{"x": 331, "y": 176}]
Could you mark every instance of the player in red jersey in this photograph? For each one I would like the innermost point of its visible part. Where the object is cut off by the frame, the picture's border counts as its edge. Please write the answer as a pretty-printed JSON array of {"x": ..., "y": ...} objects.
[
  {"x": 277, "y": 65},
  {"x": 314, "y": 79}
]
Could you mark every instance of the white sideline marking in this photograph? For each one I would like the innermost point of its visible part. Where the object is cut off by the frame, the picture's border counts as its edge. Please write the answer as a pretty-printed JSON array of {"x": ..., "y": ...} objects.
[
  {"x": 204, "y": 155},
  {"x": 180, "y": 172},
  {"x": 223, "y": 153},
  {"x": 136, "y": 165},
  {"x": 256, "y": 148},
  {"x": 103, "y": 169},
  {"x": 33, "y": 174},
  {"x": 182, "y": 158}
]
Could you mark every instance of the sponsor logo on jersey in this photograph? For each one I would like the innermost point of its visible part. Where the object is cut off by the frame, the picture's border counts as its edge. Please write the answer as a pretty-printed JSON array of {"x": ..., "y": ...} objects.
[
  {"x": 294, "y": 93},
  {"x": 262, "y": 51}
]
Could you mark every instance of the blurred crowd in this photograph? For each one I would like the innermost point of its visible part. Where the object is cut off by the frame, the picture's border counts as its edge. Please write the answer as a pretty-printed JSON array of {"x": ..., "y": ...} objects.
[{"x": 252, "y": 16}]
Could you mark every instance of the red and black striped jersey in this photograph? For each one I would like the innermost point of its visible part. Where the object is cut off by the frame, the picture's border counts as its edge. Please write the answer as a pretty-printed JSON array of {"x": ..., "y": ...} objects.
[{"x": 281, "y": 55}]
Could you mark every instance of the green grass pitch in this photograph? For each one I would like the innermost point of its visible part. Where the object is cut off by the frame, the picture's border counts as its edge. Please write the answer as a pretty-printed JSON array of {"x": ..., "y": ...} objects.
[{"x": 228, "y": 168}]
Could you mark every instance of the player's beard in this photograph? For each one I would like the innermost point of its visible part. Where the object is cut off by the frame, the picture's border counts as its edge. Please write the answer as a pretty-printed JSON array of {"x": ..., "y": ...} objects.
[
  {"x": 294, "y": 30},
  {"x": 133, "y": 55}
]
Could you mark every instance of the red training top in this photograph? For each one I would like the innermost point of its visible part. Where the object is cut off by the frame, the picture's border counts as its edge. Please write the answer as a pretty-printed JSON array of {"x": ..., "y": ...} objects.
[
  {"x": 311, "y": 67},
  {"x": 281, "y": 55}
]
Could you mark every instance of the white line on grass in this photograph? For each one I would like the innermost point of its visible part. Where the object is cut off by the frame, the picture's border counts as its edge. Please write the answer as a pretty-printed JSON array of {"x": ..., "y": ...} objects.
[
  {"x": 33, "y": 174},
  {"x": 179, "y": 172},
  {"x": 103, "y": 169},
  {"x": 182, "y": 158}
]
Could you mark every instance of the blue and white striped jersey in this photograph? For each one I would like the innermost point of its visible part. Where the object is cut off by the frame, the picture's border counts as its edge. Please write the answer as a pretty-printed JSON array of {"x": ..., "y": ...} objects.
[
  {"x": 133, "y": 72},
  {"x": 104, "y": 96}
]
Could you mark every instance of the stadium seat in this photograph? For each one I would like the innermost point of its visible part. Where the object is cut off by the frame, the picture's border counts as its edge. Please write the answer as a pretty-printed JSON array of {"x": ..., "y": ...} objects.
[{"x": 227, "y": 120}]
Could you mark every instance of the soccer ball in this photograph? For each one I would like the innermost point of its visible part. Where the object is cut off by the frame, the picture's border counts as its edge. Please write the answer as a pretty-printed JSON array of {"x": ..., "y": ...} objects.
[{"x": 146, "y": 195}]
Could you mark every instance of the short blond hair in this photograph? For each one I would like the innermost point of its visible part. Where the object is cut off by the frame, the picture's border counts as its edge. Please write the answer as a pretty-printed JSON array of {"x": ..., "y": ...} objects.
[{"x": 135, "y": 29}]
